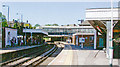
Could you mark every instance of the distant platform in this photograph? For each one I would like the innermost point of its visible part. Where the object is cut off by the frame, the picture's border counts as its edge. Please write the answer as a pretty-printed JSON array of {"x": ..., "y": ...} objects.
[{"x": 13, "y": 49}]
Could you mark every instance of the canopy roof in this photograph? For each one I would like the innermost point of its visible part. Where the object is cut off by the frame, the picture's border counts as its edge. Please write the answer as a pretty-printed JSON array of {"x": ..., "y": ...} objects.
[
  {"x": 100, "y": 26},
  {"x": 35, "y": 31}
]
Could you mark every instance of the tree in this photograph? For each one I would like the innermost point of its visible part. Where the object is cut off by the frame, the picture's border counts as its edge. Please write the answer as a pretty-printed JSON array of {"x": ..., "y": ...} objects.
[
  {"x": 16, "y": 24},
  {"x": 4, "y": 21},
  {"x": 48, "y": 25},
  {"x": 4, "y": 24},
  {"x": 36, "y": 25},
  {"x": 0, "y": 17},
  {"x": 51, "y": 25},
  {"x": 31, "y": 26},
  {"x": 55, "y": 25}
]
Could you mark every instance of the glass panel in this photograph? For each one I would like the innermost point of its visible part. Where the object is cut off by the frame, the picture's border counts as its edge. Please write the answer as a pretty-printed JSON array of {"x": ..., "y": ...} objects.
[{"x": 100, "y": 42}]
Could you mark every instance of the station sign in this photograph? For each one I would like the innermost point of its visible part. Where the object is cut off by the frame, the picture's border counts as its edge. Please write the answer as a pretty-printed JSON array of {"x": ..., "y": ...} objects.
[{"x": 81, "y": 40}]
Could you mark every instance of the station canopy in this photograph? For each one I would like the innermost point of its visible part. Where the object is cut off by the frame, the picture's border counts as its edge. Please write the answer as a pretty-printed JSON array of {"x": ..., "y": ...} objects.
[
  {"x": 37, "y": 31},
  {"x": 101, "y": 26},
  {"x": 98, "y": 18}
]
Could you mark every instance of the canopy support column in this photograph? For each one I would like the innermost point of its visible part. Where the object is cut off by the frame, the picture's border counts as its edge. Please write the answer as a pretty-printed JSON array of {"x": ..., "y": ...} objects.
[
  {"x": 95, "y": 38},
  {"x": 107, "y": 43}
]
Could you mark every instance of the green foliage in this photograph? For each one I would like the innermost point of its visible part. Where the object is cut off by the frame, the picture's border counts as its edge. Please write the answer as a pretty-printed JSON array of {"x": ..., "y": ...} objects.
[
  {"x": 36, "y": 25},
  {"x": 55, "y": 25},
  {"x": 0, "y": 14},
  {"x": 51, "y": 25},
  {"x": 31, "y": 26},
  {"x": 15, "y": 25},
  {"x": 0, "y": 25},
  {"x": 48, "y": 25},
  {"x": 3, "y": 19},
  {"x": 4, "y": 23}
]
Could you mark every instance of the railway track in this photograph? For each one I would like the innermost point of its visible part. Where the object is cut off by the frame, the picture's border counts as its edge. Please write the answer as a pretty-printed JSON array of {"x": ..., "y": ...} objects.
[
  {"x": 33, "y": 60},
  {"x": 52, "y": 57}
]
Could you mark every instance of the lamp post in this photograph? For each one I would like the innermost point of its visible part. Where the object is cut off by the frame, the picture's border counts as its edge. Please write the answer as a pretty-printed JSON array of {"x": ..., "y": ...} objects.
[
  {"x": 82, "y": 34},
  {"x": 21, "y": 16},
  {"x": 8, "y": 11}
]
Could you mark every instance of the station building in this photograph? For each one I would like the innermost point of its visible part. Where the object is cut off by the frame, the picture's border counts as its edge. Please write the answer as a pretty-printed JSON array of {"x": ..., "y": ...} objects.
[
  {"x": 33, "y": 36},
  {"x": 100, "y": 19},
  {"x": 89, "y": 36},
  {"x": 73, "y": 32}
]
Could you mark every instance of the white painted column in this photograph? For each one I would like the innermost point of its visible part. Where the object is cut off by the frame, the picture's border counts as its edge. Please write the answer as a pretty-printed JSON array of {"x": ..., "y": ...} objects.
[
  {"x": 76, "y": 40},
  {"x": 111, "y": 37},
  {"x": 73, "y": 39},
  {"x": 107, "y": 40},
  {"x": 82, "y": 45},
  {"x": 95, "y": 39}
]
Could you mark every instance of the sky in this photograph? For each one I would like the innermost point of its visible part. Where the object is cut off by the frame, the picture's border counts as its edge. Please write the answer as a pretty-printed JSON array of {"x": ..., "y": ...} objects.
[
  {"x": 58, "y": 0},
  {"x": 43, "y": 13}
]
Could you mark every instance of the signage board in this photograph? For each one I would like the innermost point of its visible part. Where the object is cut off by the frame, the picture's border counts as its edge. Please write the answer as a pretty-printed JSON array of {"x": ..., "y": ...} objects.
[
  {"x": 10, "y": 36},
  {"x": 81, "y": 40}
]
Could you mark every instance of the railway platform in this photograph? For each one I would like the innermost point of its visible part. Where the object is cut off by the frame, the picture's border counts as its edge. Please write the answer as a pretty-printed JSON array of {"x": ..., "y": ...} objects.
[
  {"x": 73, "y": 55},
  {"x": 13, "y": 49}
]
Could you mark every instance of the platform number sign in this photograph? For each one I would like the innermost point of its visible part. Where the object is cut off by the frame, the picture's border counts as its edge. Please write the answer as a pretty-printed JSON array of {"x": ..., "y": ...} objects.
[{"x": 81, "y": 40}]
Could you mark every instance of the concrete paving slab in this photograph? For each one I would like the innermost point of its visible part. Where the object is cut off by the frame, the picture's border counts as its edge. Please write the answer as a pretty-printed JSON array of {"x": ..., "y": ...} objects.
[{"x": 77, "y": 56}]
